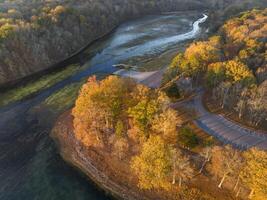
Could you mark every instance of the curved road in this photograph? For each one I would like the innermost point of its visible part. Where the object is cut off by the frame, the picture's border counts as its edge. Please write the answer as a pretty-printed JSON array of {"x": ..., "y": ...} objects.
[
  {"x": 216, "y": 125},
  {"x": 225, "y": 130}
]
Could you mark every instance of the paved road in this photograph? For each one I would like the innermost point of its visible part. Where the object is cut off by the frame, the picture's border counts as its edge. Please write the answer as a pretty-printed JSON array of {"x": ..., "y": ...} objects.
[
  {"x": 226, "y": 131},
  {"x": 221, "y": 128}
]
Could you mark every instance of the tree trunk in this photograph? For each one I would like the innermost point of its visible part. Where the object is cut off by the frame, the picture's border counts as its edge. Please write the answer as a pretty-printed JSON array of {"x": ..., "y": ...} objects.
[
  {"x": 174, "y": 167},
  {"x": 164, "y": 130},
  {"x": 197, "y": 78},
  {"x": 237, "y": 182},
  {"x": 257, "y": 122},
  {"x": 238, "y": 192},
  {"x": 224, "y": 97},
  {"x": 223, "y": 178},
  {"x": 240, "y": 115},
  {"x": 203, "y": 165},
  {"x": 180, "y": 182},
  {"x": 240, "y": 112},
  {"x": 106, "y": 122},
  {"x": 173, "y": 179},
  {"x": 251, "y": 194}
]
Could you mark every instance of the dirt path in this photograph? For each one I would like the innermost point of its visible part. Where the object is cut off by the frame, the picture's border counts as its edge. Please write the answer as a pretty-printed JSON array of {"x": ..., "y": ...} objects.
[{"x": 150, "y": 79}]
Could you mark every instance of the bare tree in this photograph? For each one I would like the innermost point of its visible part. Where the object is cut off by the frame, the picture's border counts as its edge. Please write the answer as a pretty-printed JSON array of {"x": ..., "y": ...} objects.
[
  {"x": 226, "y": 162},
  {"x": 120, "y": 148},
  {"x": 225, "y": 92},
  {"x": 181, "y": 167},
  {"x": 241, "y": 104},
  {"x": 206, "y": 154}
]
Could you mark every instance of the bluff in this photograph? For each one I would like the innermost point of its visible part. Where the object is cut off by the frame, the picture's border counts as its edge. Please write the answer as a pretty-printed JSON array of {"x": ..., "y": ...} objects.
[{"x": 35, "y": 35}]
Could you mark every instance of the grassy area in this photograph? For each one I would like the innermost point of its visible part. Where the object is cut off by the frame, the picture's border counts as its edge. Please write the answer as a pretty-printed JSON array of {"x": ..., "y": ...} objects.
[
  {"x": 30, "y": 88},
  {"x": 156, "y": 62},
  {"x": 64, "y": 98}
]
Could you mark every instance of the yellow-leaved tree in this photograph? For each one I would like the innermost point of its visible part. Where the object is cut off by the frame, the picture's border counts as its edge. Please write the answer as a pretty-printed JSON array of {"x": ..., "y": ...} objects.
[
  {"x": 166, "y": 123},
  {"x": 236, "y": 71},
  {"x": 99, "y": 107},
  {"x": 254, "y": 174},
  {"x": 154, "y": 165}
]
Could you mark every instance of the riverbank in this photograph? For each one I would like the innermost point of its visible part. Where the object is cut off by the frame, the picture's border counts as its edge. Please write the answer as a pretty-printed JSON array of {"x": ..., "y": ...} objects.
[
  {"x": 72, "y": 28},
  {"x": 75, "y": 59},
  {"x": 89, "y": 161}
]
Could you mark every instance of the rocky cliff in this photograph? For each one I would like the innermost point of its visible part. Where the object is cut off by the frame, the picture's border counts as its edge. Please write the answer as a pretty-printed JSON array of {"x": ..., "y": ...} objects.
[{"x": 34, "y": 35}]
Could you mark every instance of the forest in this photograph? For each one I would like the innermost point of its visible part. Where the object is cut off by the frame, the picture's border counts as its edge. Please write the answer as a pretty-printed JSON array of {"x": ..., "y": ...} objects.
[
  {"x": 135, "y": 126},
  {"x": 232, "y": 65}
]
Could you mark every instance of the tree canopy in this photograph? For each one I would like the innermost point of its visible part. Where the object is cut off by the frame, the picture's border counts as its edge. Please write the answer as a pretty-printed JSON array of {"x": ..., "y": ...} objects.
[
  {"x": 153, "y": 165},
  {"x": 235, "y": 57},
  {"x": 254, "y": 174}
]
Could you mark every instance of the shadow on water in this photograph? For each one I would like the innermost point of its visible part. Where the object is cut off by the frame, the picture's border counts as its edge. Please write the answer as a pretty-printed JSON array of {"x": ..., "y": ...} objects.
[{"x": 30, "y": 167}]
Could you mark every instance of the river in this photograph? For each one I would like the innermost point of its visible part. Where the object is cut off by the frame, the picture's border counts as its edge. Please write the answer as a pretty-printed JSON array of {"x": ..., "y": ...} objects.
[{"x": 30, "y": 166}]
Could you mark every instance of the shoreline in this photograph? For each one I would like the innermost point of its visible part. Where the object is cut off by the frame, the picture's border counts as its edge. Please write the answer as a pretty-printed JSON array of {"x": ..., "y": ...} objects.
[
  {"x": 75, "y": 57},
  {"x": 73, "y": 154},
  {"x": 94, "y": 164},
  {"x": 65, "y": 62}
]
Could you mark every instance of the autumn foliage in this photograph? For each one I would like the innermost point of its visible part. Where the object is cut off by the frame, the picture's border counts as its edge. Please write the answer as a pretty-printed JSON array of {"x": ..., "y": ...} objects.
[
  {"x": 108, "y": 106},
  {"x": 136, "y": 125},
  {"x": 231, "y": 64}
]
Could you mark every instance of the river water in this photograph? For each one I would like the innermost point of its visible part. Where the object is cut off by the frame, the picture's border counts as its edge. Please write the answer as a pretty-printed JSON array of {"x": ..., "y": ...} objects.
[{"x": 30, "y": 166}]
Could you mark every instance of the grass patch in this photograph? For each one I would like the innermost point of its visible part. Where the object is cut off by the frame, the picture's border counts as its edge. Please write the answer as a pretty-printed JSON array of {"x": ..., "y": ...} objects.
[
  {"x": 64, "y": 98},
  {"x": 195, "y": 139},
  {"x": 173, "y": 92},
  {"x": 30, "y": 88},
  {"x": 187, "y": 138}
]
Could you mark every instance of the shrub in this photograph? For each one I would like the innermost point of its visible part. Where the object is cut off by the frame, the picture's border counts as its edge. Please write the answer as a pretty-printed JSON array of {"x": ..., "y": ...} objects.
[
  {"x": 173, "y": 91},
  {"x": 119, "y": 129},
  {"x": 187, "y": 138}
]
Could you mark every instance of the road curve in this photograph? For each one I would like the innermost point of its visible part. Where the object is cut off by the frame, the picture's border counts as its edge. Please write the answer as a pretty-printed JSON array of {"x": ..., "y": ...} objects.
[
  {"x": 216, "y": 125},
  {"x": 227, "y": 131}
]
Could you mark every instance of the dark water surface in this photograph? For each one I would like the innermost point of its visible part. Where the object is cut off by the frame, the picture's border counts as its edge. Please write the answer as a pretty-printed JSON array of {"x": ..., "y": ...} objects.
[{"x": 30, "y": 166}]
